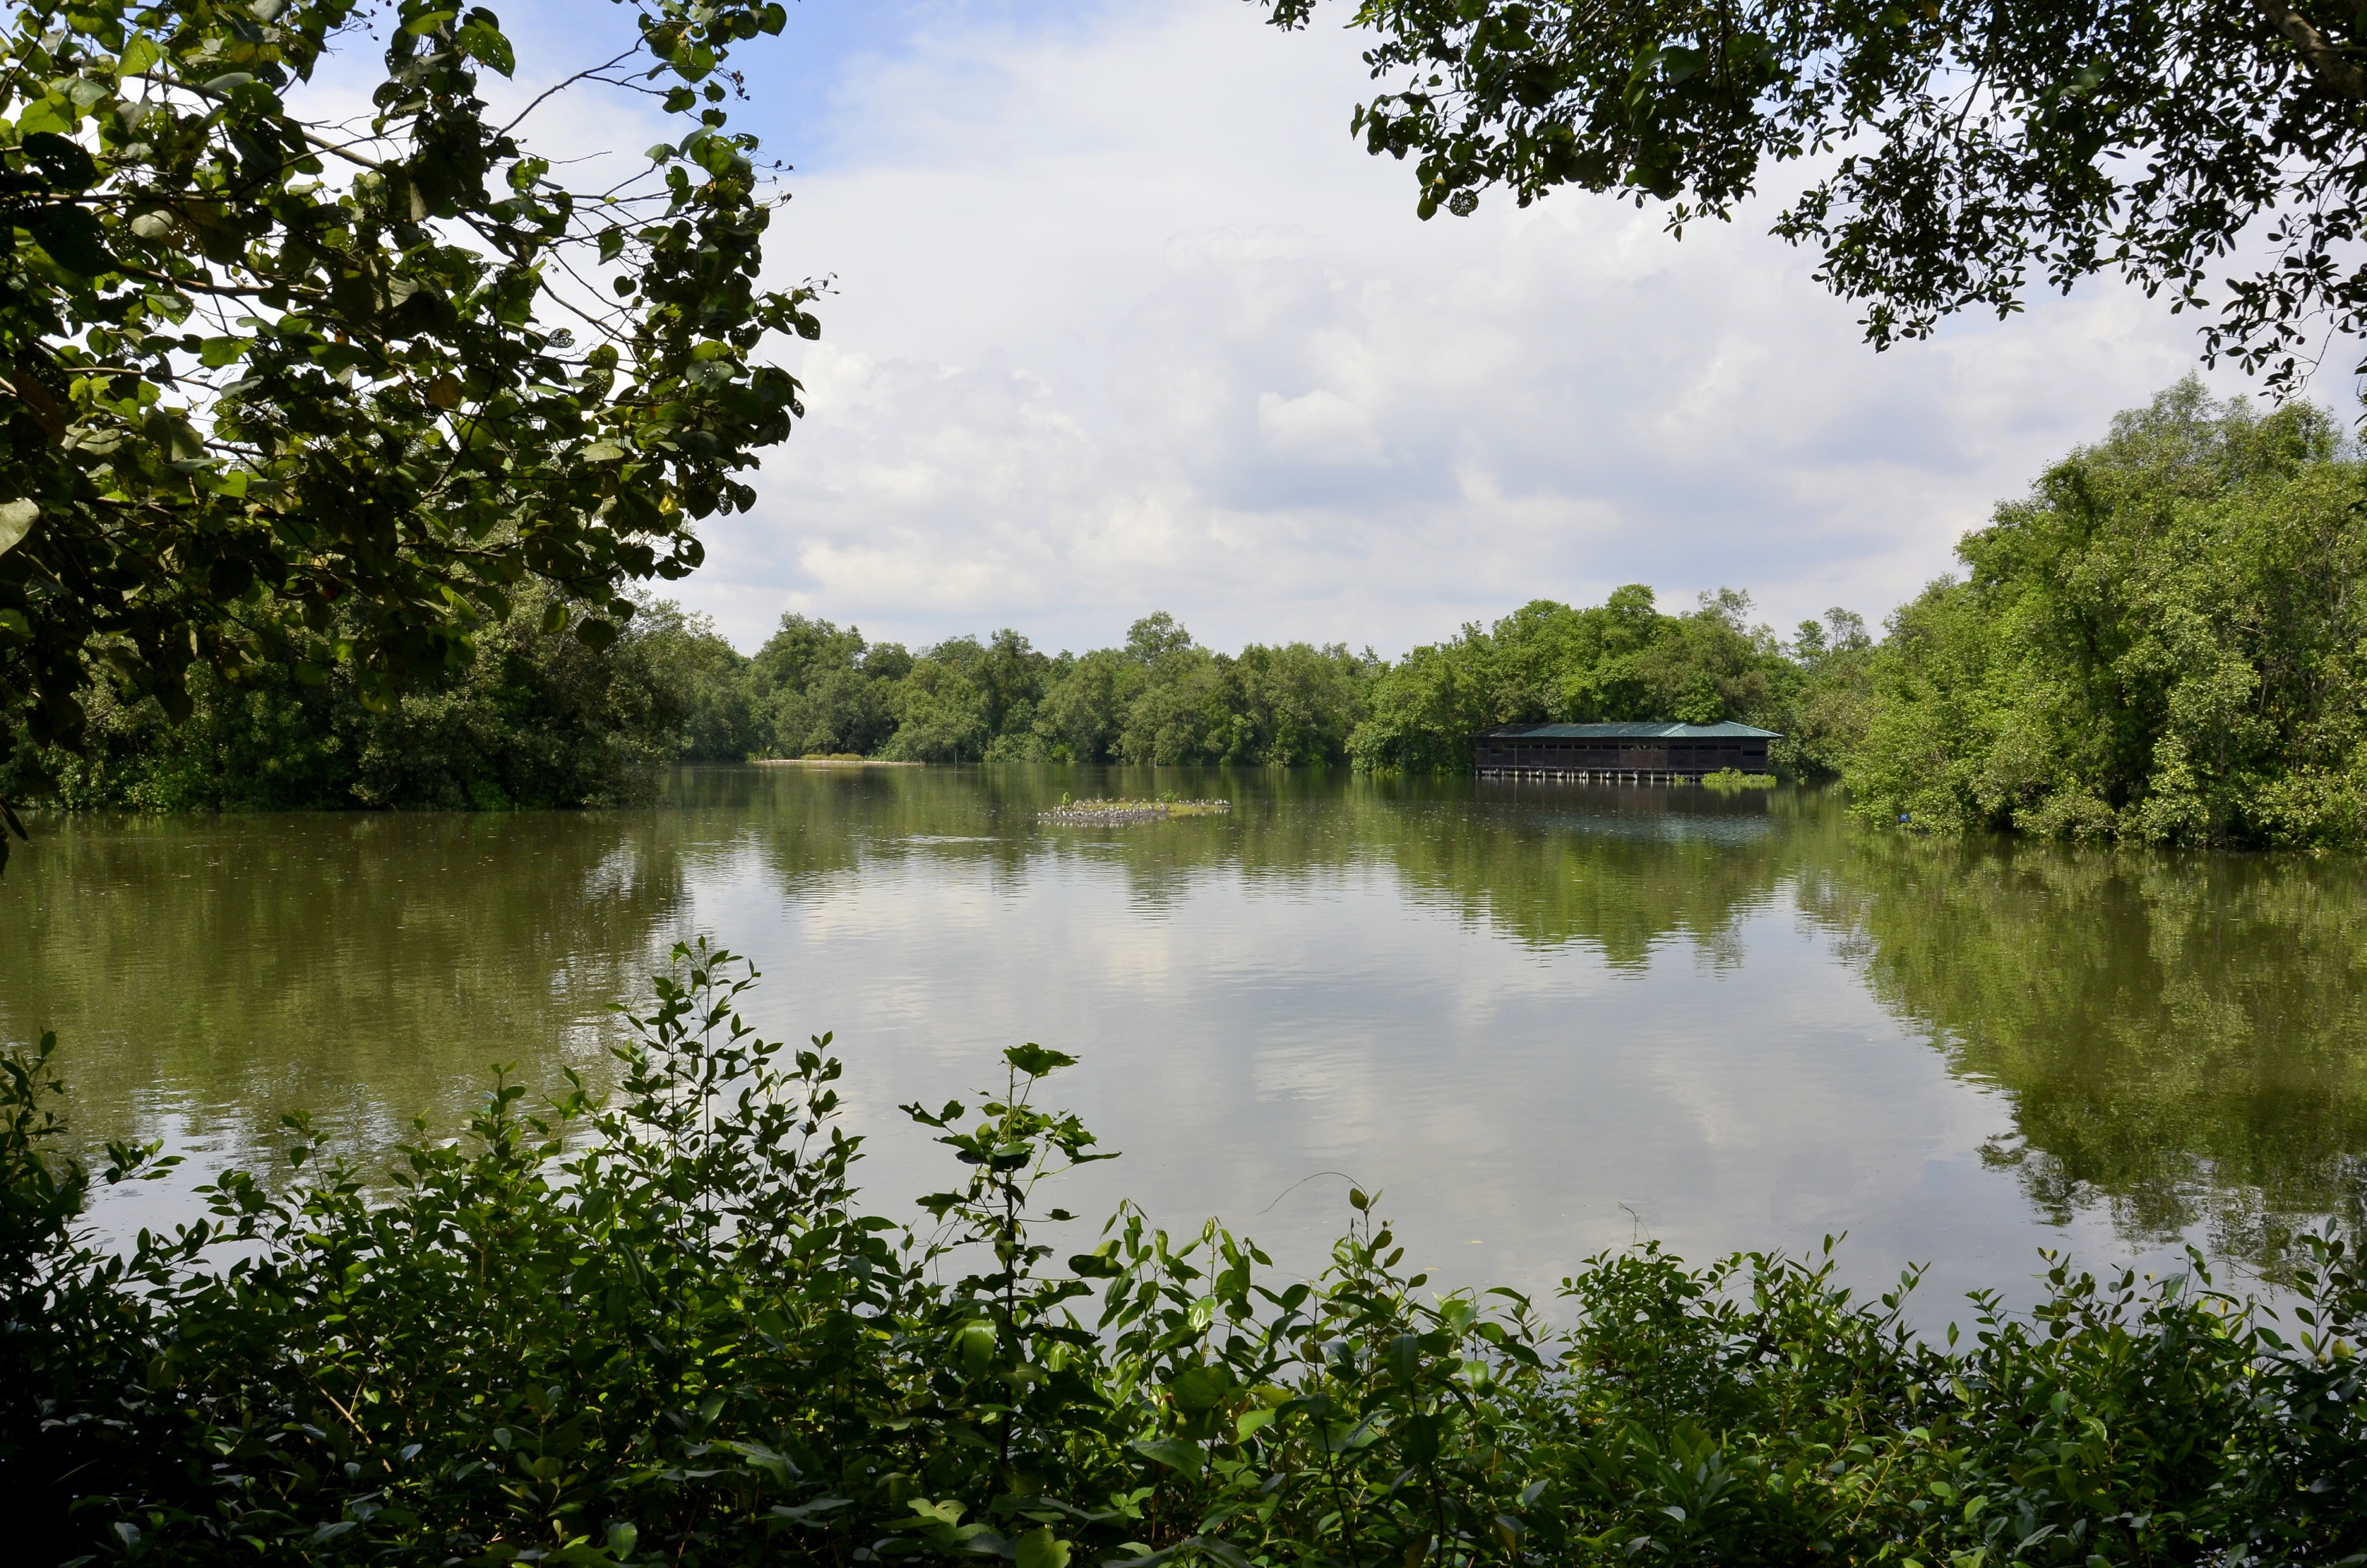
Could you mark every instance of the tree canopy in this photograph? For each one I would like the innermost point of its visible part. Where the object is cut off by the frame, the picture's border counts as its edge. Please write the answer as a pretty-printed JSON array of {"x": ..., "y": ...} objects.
[
  {"x": 2162, "y": 643},
  {"x": 1621, "y": 660},
  {"x": 1958, "y": 151},
  {"x": 538, "y": 719},
  {"x": 1161, "y": 699},
  {"x": 286, "y": 391}
]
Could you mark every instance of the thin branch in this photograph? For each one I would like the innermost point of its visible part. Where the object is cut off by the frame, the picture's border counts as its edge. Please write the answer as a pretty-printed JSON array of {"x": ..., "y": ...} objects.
[
  {"x": 549, "y": 92},
  {"x": 234, "y": 289},
  {"x": 337, "y": 151},
  {"x": 614, "y": 334}
]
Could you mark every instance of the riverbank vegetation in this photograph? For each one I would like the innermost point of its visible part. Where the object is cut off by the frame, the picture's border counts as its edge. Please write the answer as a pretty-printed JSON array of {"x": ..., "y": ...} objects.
[
  {"x": 1625, "y": 659},
  {"x": 1160, "y": 699},
  {"x": 663, "y": 1328},
  {"x": 537, "y": 718}
]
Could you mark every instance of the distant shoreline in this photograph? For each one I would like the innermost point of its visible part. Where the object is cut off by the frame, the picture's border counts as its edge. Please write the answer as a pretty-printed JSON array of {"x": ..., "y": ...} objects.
[{"x": 833, "y": 762}]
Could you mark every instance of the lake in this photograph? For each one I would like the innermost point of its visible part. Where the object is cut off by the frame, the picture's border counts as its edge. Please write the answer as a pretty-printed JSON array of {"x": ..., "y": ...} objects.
[{"x": 1543, "y": 1019}]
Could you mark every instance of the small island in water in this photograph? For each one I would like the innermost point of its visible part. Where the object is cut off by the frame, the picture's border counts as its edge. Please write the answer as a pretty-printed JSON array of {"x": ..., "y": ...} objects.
[{"x": 1097, "y": 814}]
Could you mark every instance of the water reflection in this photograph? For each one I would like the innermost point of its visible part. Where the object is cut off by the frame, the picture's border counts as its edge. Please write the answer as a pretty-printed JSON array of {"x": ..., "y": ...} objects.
[
  {"x": 1548, "y": 1019},
  {"x": 223, "y": 970},
  {"x": 2180, "y": 1034}
]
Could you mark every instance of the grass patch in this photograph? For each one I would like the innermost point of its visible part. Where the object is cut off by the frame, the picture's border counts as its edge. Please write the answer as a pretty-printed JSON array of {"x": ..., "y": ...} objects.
[
  {"x": 1733, "y": 779},
  {"x": 1104, "y": 812}
]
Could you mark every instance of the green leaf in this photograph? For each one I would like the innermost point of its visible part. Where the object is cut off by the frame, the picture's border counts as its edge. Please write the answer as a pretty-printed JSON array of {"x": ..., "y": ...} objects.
[
  {"x": 66, "y": 164},
  {"x": 810, "y": 1513},
  {"x": 52, "y": 114},
  {"x": 1422, "y": 1435},
  {"x": 1200, "y": 1388},
  {"x": 1039, "y": 1549},
  {"x": 17, "y": 520},
  {"x": 776, "y": 1467},
  {"x": 1224, "y": 1551},
  {"x": 1035, "y": 1061},
  {"x": 1188, "y": 1459},
  {"x": 480, "y": 39},
  {"x": 1404, "y": 1357},
  {"x": 72, "y": 237},
  {"x": 139, "y": 55}
]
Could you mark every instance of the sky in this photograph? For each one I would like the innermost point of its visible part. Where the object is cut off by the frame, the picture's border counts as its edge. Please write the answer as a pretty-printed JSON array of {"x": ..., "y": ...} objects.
[{"x": 1121, "y": 319}]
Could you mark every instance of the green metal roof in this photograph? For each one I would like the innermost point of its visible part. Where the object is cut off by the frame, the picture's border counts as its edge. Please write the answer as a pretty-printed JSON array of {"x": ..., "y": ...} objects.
[{"x": 1720, "y": 732}]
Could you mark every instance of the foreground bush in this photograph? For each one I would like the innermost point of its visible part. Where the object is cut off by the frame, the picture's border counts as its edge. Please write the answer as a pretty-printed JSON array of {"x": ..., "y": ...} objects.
[{"x": 658, "y": 1329}]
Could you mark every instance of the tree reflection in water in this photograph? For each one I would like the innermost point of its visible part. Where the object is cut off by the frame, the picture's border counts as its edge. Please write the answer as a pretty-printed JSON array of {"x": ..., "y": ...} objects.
[{"x": 2183, "y": 1035}]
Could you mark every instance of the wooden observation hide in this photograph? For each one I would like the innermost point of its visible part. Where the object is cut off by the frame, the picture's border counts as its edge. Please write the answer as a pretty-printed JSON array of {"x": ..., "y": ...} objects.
[{"x": 1620, "y": 754}]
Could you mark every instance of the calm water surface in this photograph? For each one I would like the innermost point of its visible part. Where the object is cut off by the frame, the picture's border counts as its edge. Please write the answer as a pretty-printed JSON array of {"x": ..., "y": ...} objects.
[{"x": 1545, "y": 1019}]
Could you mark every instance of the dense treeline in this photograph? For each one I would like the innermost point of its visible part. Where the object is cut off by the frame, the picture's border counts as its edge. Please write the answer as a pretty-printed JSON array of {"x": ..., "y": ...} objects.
[
  {"x": 663, "y": 1329},
  {"x": 1160, "y": 699},
  {"x": 541, "y": 718},
  {"x": 1163, "y": 699},
  {"x": 2165, "y": 642}
]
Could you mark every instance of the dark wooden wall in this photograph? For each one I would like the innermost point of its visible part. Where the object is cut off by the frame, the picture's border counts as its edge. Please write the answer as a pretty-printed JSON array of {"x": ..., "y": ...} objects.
[{"x": 1743, "y": 754}]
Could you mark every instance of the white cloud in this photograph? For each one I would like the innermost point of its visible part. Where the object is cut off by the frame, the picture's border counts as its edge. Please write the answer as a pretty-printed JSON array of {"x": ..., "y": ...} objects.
[
  {"x": 1126, "y": 321},
  {"x": 1322, "y": 427}
]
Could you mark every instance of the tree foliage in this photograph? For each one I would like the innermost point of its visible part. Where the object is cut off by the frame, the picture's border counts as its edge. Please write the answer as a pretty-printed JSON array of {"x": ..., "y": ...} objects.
[
  {"x": 538, "y": 719},
  {"x": 284, "y": 393},
  {"x": 1161, "y": 699},
  {"x": 676, "y": 690},
  {"x": 1621, "y": 660},
  {"x": 1955, "y": 153},
  {"x": 2162, "y": 643}
]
